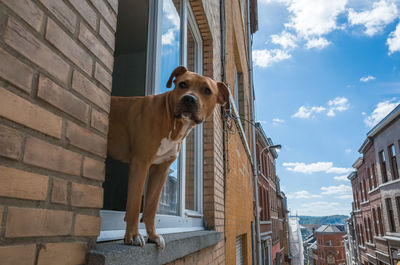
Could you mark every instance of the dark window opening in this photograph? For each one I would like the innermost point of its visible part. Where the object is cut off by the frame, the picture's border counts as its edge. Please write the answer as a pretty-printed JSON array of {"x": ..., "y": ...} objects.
[
  {"x": 383, "y": 166},
  {"x": 393, "y": 162},
  {"x": 129, "y": 79},
  {"x": 390, "y": 214}
]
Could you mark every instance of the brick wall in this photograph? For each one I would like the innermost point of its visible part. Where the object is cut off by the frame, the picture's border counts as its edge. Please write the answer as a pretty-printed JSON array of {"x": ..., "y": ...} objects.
[
  {"x": 56, "y": 59},
  {"x": 239, "y": 177},
  {"x": 336, "y": 249}
]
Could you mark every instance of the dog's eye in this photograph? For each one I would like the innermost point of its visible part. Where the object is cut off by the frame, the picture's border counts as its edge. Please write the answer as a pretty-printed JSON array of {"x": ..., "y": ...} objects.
[
  {"x": 183, "y": 85},
  {"x": 207, "y": 91}
]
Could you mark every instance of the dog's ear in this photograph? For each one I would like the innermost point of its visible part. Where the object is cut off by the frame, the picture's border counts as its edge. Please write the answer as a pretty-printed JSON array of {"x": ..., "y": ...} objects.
[
  {"x": 177, "y": 72},
  {"x": 223, "y": 93}
]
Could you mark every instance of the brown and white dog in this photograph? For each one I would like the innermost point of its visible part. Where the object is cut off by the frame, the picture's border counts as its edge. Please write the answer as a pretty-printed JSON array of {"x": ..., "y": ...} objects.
[{"x": 147, "y": 132}]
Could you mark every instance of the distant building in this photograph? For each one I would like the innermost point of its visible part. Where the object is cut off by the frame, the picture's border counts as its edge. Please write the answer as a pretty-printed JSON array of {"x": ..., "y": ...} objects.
[
  {"x": 350, "y": 242},
  {"x": 272, "y": 204},
  {"x": 309, "y": 244},
  {"x": 376, "y": 194},
  {"x": 330, "y": 246},
  {"x": 386, "y": 138}
]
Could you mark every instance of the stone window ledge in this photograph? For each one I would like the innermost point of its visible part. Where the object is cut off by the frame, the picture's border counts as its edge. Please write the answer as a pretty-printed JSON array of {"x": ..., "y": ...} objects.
[{"x": 177, "y": 246}]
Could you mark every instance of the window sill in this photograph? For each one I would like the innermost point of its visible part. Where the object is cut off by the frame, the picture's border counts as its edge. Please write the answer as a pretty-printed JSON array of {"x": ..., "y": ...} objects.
[
  {"x": 364, "y": 202},
  {"x": 369, "y": 244},
  {"x": 176, "y": 246}
]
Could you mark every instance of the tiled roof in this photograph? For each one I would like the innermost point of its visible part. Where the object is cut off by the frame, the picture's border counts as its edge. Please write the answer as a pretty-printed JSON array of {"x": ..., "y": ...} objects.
[{"x": 330, "y": 229}]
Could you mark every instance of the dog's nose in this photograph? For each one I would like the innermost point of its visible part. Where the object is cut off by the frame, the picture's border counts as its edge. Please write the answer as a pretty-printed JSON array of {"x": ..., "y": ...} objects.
[{"x": 189, "y": 100}]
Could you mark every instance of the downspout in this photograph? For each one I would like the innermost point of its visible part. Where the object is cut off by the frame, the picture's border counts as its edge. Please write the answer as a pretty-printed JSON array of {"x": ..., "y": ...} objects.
[
  {"x": 253, "y": 136},
  {"x": 223, "y": 79}
]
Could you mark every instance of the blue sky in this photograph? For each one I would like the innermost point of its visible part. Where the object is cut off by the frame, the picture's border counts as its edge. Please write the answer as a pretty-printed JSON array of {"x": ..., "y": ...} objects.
[{"x": 324, "y": 72}]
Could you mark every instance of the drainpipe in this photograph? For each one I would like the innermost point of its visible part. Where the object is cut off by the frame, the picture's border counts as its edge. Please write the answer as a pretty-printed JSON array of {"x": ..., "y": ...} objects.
[{"x": 253, "y": 136}]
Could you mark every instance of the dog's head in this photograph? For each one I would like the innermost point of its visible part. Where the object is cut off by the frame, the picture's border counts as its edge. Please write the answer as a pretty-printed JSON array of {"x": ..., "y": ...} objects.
[{"x": 195, "y": 96}]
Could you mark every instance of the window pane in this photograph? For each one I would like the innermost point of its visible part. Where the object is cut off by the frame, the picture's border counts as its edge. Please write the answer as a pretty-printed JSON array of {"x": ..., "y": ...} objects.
[
  {"x": 169, "y": 201},
  {"x": 170, "y": 197},
  {"x": 170, "y": 38}
]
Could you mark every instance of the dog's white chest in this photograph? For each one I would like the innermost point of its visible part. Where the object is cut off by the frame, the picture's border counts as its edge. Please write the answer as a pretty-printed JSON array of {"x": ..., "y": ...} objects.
[{"x": 169, "y": 148}]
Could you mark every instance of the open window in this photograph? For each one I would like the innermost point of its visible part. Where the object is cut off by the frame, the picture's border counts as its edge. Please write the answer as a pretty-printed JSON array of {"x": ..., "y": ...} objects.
[{"x": 153, "y": 37}]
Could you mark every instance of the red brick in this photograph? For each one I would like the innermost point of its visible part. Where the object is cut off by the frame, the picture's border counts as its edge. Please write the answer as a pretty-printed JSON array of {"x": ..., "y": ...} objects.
[
  {"x": 107, "y": 34},
  {"x": 103, "y": 76},
  {"x": 106, "y": 12},
  {"x": 15, "y": 72},
  {"x": 19, "y": 38},
  {"x": 59, "y": 191},
  {"x": 10, "y": 142},
  {"x": 18, "y": 254},
  {"x": 20, "y": 184},
  {"x": 89, "y": 90},
  {"x": 62, "y": 99},
  {"x": 65, "y": 44},
  {"x": 62, "y": 12},
  {"x": 93, "y": 44},
  {"x": 82, "y": 138},
  {"x": 86, "y": 11},
  {"x": 64, "y": 253},
  {"x": 99, "y": 121},
  {"x": 27, "y": 222},
  {"x": 86, "y": 196},
  {"x": 28, "y": 11},
  {"x": 22, "y": 111},
  {"x": 45, "y": 155},
  {"x": 87, "y": 225},
  {"x": 93, "y": 169}
]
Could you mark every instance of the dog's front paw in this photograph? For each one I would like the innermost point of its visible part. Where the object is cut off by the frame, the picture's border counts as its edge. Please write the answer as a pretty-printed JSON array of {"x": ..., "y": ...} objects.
[
  {"x": 159, "y": 241},
  {"x": 135, "y": 241}
]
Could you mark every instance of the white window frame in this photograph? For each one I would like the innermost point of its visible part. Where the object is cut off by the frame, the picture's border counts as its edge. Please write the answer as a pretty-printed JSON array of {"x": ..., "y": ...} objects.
[{"x": 112, "y": 224}]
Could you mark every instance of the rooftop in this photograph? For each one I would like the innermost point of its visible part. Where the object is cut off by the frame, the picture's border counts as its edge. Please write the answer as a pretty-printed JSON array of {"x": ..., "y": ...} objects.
[{"x": 330, "y": 229}]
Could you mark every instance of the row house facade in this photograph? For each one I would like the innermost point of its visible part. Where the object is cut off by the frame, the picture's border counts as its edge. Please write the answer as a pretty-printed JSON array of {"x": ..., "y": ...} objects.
[
  {"x": 350, "y": 242},
  {"x": 330, "y": 247},
  {"x": 272, "y": 204},
  {"x": 61, "y": 198},
  {"x": 376, "y": 193}
]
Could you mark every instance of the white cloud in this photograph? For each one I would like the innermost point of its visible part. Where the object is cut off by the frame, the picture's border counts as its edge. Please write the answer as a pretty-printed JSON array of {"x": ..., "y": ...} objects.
[
  {"x": 284, "y": 39},
  {"x": 305, "y": 112},
  {"x": 345, "y": 197},
  {"x": 171, "y": 13},
  {"x": 341, "y": 189},
  {"x": 363, "y": 113},
  {"x": 381, "y": 110},
  {"x": 169, "y": 10},
  {"x": 168, "y": 38},
  {"x": 337, "y": 104},
  {"x": 393, "y": 40},
  {"x": 341, "y": 178},
  {"x": 326, "y": 167},
  {"x": 318, "y": 43},
  {"x": 374, "y": 20},
  {"x": 347, "y": 150},
  {"x": 367, "y": 78},
  {"x": 273, "y": 1},
  {"x": 264, "y": 58},
  {"x": 323, "y": 208},
  {"x": 303, "y": 194},
  {"x": 277, "y": 121},
  {"x": 314, "y": 18}
]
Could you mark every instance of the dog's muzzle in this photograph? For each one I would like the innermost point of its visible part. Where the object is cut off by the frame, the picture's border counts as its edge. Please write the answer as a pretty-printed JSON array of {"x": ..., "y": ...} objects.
[{"x": 188, "y": 106}]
